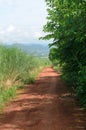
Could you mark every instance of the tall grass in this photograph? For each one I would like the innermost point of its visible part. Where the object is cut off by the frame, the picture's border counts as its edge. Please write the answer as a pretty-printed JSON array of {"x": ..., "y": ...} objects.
[
  {"x": 16, "y": 68},
  {"x": 6, "y": 95},
  {"x": 15, "y": 65}
]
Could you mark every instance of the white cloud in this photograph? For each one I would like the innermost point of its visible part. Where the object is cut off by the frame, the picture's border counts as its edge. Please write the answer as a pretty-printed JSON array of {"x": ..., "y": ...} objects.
[
  {"x": 37, "y": 34},
  {"x": 26, "y": 34},
  {"x": 2, "y": 30},
  {"x": 7, "y": 2},
  {"x": 22, "y": 20},
  {"x": 19, "y": 34},
  {"x": 10, "y": 28}
]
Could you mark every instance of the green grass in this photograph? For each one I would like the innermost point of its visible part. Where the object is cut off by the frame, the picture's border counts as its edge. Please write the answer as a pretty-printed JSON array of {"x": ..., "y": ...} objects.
[
  {"x": 6, "y": 95},
  {"x": 16, "y": 69}
]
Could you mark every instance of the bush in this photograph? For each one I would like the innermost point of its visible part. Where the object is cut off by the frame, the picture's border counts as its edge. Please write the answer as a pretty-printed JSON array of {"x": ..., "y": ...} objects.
[{"x": 81, "y": 86}]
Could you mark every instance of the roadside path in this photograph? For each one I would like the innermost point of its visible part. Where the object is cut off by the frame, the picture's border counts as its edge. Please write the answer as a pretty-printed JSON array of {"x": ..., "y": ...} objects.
[{"x": 45, "y": 105}]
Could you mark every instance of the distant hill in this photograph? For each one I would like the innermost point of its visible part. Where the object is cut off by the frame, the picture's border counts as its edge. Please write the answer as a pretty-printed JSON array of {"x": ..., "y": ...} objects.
[{"x": 34, "y": 49}]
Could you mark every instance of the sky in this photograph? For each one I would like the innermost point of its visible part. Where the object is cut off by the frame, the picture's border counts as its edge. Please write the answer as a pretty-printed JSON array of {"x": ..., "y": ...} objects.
[{"x": 21, "y": 21}]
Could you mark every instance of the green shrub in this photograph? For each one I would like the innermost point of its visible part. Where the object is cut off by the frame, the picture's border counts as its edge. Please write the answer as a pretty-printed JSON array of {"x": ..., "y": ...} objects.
[
  {"x": 6, "y": 95},
  {"x": 81, "y": 86}
]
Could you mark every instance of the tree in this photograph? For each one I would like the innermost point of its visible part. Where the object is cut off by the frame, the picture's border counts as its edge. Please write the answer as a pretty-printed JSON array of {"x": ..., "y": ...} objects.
[{"x": 66, "y": 26}]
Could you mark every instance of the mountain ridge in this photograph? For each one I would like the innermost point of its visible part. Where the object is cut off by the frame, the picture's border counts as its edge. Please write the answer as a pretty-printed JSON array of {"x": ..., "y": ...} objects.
[{"x": 36, "y": 49}]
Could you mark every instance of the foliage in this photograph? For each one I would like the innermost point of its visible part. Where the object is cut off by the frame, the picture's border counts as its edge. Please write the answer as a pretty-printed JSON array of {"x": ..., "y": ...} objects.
[{"x": 66, "y": 27}]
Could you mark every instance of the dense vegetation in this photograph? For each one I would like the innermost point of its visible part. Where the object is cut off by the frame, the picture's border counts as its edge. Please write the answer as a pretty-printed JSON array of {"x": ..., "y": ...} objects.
[
  {"x": 66, "y": 26},
  {"x": 16, "y": 69}
]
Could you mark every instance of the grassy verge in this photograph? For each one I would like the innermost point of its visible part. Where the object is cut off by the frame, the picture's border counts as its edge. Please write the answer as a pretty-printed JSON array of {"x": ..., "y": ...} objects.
[
  {"x": 16, "y": 69},
  {"x": 6, "y": 95}
]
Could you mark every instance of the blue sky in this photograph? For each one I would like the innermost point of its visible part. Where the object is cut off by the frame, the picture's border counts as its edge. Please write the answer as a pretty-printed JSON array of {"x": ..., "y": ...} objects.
[{"x": 22, "y": 20}]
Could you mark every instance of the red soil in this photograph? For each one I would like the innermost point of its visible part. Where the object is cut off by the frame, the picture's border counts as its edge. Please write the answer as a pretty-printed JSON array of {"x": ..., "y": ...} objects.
[{"x": 45, "y": 105}]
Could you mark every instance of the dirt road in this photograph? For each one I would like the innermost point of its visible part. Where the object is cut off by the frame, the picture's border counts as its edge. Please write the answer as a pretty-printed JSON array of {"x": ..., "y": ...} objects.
[{"x": 45, "y": 105}]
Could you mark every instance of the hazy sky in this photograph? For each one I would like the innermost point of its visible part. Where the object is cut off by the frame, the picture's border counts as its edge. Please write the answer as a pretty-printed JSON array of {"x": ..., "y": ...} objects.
[{"x": 22, "y": 20}]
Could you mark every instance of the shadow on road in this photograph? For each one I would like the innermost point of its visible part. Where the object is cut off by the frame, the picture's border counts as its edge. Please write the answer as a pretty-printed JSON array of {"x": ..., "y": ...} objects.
[{"x": 45, "y": 105}]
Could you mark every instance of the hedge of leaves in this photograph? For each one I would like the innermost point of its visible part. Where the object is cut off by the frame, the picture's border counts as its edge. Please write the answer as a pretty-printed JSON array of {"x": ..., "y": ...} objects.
[{"x": 66, "y": 26}]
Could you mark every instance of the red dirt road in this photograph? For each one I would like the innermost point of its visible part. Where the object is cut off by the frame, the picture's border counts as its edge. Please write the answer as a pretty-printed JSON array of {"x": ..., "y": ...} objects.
[{"x": 45, "y": 105}]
